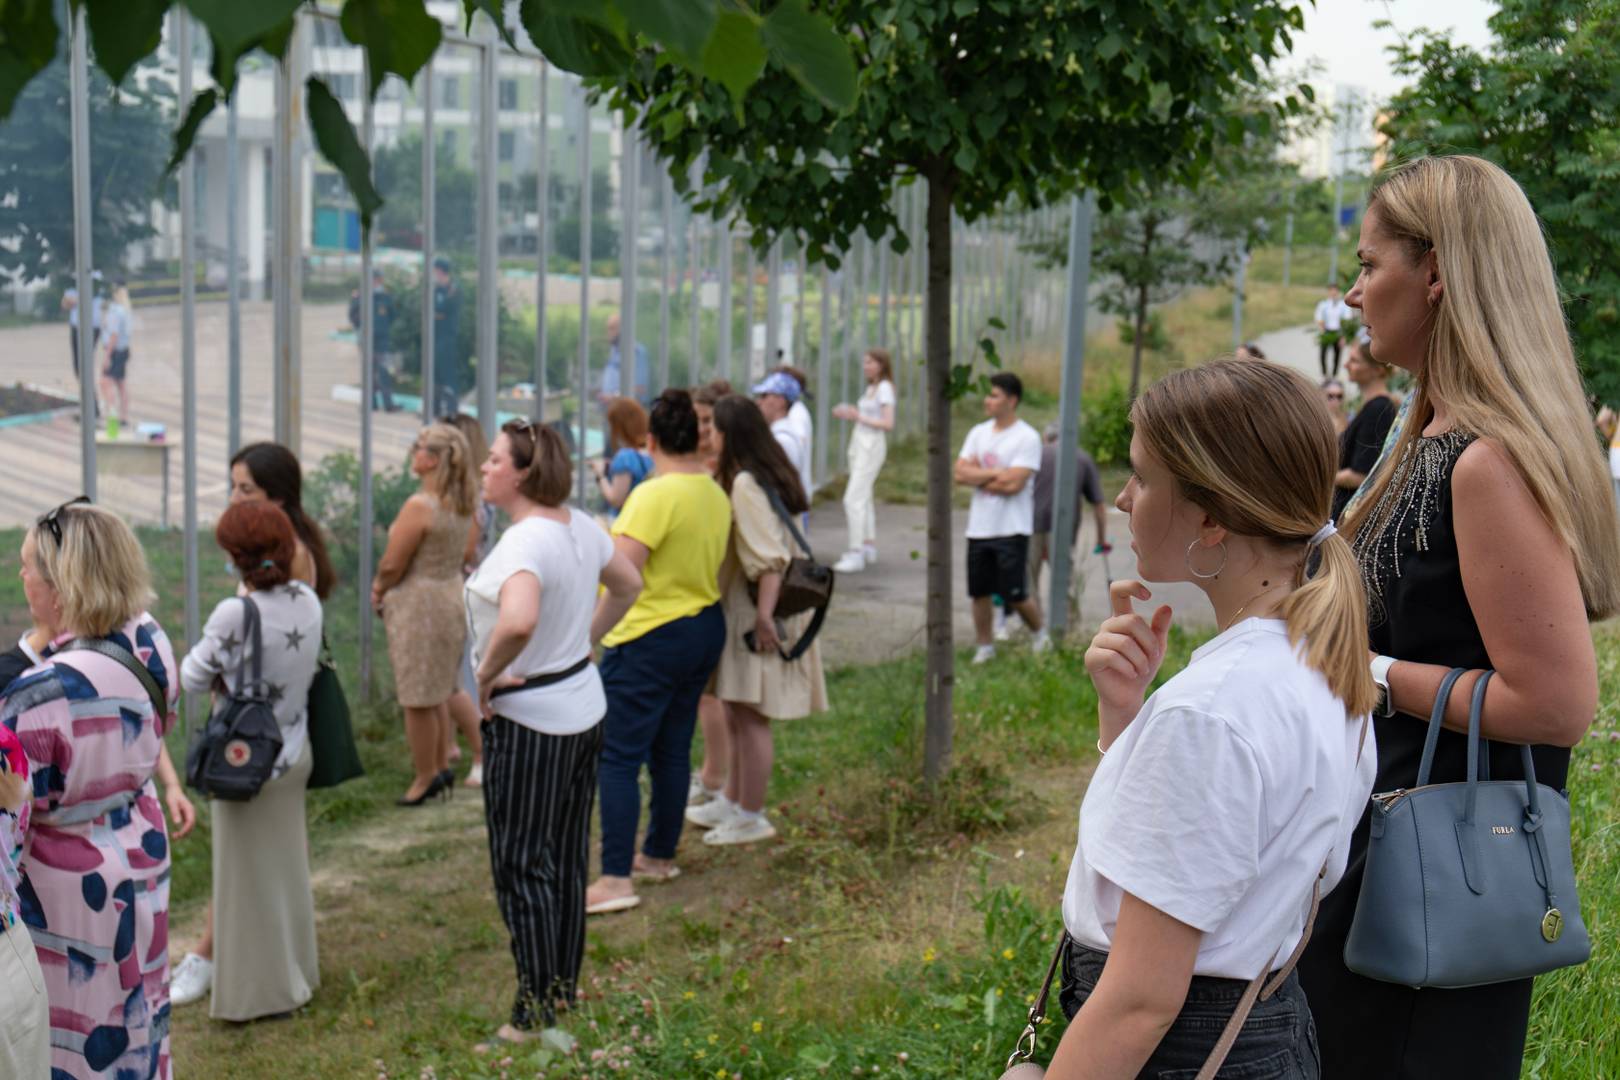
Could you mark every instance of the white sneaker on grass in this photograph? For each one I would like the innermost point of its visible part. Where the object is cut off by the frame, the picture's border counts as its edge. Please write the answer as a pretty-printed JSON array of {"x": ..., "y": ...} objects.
[
  {"x": 192, "y": 979},
  {"x": 698, "y": 793},
  {"x": 1041, "y": 642},
  {"x": 869, "y": 554},
  {"x": 741, "y": 828},
  {"x": 713, "y": 813},
  {"x": 984, "y": 654},
  {"x": 850, "y": 562}
]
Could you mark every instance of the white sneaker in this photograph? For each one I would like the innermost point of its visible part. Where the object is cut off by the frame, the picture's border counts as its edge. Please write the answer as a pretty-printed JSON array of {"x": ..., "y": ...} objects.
[
  {"x": 984, "y": 654},
  {"x": 711, "y": 814},
  {"x": 741, "y": 828},
  {"x": 1041, "y": 642},
  {"x": 192, "y": 979},
  {"x": 1003, "y": 626},
  {"x": 869, "y": 554},
  {"x": 698, "y": 793},
  {"x": 850, "y": 562}
]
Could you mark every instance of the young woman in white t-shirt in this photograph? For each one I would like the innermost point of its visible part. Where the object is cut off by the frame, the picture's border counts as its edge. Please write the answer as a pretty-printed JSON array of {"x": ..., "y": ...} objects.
[
  {"x": 534, "y": 617},
  {"x": 873, "y": 418},
  {"x": 1221, "y": 798}
]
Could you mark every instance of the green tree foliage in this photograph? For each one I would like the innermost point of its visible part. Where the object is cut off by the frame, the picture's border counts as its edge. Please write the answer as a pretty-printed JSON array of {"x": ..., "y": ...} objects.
[
  {"x": 1544, "y": 103},
  {"x": 128, "y": 129},
  {"x": 728, "y": 41},
  {"x": 987, "y": 102},
  {"x": 398, "y": 169}
]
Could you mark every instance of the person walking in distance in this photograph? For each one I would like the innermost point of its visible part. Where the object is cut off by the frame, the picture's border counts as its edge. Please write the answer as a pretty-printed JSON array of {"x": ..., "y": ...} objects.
[
  {"x": 613, "y": 371},
  {"x": 1088, "y": 487},
  {"x": 1331, "y": 312},
  {"x": 70, "y": 304},
  {"x": 120, "y": 322},
  {"x": 873, "y": 419},
  {"x": 382, "y": 335},
  {"x": 998, "y": 461}
]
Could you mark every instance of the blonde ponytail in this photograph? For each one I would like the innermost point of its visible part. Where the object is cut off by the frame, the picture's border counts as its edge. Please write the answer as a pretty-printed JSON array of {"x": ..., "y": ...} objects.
[
  {"x": 1249, "y": 442},
  {"x": 1328, "y": 615}
]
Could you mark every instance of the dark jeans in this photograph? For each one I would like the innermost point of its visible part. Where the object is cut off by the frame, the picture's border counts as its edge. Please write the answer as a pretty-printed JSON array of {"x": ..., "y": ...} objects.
[
  {"x": 653, "y": 684},
  {"x": 382, "y": 385},
  {"x": 1278, "y": 1039},
  {"x": 73, "y": 342}
]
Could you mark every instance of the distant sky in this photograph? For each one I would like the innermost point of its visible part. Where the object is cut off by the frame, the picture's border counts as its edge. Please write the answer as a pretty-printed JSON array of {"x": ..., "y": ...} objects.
[{"x": 1340, "y": 34}]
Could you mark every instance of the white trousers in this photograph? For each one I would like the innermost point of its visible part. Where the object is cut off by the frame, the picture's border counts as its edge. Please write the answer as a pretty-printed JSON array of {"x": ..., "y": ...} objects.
[
  {"x": 867, "y": 449},
  {"x": 25, "y": 1015}
]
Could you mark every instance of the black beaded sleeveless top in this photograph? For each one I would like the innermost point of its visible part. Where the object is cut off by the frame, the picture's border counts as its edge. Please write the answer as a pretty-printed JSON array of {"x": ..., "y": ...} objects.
[{"x": 1417, "y": 611}]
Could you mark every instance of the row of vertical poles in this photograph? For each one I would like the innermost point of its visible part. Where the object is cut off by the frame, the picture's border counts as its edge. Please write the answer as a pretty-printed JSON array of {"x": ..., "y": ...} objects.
[
  {"x": 368, "y": 389},
  {"x": 79, "y": 119},
  {"x": 188, "y": 348},
  {"x": 542, "y": 244},
  {"x": 287, "y": 181},
  {"x": 584, "y": 285}
]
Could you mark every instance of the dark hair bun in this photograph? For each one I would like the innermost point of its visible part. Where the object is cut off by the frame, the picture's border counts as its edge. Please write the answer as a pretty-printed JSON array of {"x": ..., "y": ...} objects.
[{"x": 673, "y": 422}]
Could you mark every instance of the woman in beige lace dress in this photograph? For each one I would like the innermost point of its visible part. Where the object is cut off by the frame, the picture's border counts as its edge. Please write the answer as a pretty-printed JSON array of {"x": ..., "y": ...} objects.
[{"x": 418, "y": 592}]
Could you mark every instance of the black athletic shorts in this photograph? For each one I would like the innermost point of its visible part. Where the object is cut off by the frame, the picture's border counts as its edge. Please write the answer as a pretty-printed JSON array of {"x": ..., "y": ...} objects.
[
  {"x": 996, "y": 566},
  {"x": 117, "y": 361}
]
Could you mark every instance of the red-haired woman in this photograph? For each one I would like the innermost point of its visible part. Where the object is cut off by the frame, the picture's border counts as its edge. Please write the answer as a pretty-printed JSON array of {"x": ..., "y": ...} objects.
[{"x": 264, "y": 910}]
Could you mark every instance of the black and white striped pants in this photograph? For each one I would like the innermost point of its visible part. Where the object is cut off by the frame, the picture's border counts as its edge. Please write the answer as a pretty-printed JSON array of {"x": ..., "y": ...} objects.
[{"x": 538, "y": 794}]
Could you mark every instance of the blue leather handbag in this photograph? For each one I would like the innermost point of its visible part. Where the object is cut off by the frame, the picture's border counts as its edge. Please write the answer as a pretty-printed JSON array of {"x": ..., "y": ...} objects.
[{"x": 1467, "y": 884}]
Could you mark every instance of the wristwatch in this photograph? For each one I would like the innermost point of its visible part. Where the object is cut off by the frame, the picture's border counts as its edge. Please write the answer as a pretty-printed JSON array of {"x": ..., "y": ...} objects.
[{"x": 1380, "y": 674}]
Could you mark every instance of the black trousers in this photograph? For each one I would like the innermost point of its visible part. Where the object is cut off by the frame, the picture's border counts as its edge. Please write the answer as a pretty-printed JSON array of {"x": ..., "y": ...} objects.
[
  {"x": 538, "y": 795},
  {"x": 1322, "y": 357}
]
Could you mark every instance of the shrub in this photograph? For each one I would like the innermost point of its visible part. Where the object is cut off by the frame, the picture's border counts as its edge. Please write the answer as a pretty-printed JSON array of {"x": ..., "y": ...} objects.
[{"x": 1105, "y": 422}]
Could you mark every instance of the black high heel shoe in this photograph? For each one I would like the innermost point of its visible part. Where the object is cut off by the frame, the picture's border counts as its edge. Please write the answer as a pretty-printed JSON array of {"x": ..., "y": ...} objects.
[
  {"x": 436, "y": 786},
  {"x": 448, "y": 779}
]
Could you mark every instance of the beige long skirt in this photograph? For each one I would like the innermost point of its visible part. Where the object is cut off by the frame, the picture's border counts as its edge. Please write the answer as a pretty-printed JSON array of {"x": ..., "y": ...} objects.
[{"x": 264, "y": 909}]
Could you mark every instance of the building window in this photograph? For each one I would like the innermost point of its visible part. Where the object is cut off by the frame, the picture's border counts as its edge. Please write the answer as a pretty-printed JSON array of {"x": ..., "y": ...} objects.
[
  {"x": 509, "y": 97},
  {"x": 508, "y": 145},
  {"x": 450, "y": 97},
  {"x": 449, "y": 138}
]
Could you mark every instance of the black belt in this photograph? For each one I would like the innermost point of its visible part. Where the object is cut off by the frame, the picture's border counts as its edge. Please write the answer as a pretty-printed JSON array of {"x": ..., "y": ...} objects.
[{"x": 535, "y": 681}]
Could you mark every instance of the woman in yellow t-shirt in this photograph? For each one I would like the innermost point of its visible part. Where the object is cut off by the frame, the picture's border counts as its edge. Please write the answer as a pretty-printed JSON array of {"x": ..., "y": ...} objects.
[{"x": 674, "y": 528}]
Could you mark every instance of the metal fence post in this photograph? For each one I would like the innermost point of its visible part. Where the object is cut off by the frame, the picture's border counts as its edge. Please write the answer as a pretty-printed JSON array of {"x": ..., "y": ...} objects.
[
  {"x": 79, "y": 110},
  {"x": 1074, "y": 356},
  {"x": 584, "y": 283},
  {"x": 666, "y": 195},
  {"x": 429, "y": 242},
  {"x": 489, "y": 240},
  {"x": 368, "y": 388},
  {"x": 188, "y": 350},
  {"x": 233, "y": 283},
  {"x": 542, "y": 244},
  {"x": 724, "y": 368},
  {"x": 630, "y": 226},
  {"x": 287, "y": 183}
]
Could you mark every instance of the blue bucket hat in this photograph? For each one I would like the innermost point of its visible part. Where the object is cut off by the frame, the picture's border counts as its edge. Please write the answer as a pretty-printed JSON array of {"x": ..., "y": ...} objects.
[{"x": 780, "y": 383}]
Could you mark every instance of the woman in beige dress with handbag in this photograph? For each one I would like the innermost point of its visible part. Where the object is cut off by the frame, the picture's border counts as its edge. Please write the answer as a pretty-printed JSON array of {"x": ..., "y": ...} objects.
[
  {"x": 755, "y": 680},
  {"x": 418, "y": 592}
]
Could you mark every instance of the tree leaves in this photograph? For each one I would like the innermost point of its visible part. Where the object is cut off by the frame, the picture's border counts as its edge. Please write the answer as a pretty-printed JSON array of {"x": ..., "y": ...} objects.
[
  {"x": 492, "y": 8},
  {"x": 201, "y": 105},
  {"x": 335, "y": 137},
  {"x": 236, "y": 25},
  {"x": 683, "y": 25},
  {"x": 27, "y": 45},
  {"x": 574, "y": 43},
  {"x": 812, "y": 52},
  {"x": 398, "y": 36},
  {"x": 124, "y": 31},
  {"x": 734, "y": 58}
]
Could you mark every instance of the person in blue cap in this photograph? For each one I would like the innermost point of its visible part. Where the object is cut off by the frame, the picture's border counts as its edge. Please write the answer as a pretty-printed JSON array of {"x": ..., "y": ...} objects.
[{"x": 775, "y": 395}]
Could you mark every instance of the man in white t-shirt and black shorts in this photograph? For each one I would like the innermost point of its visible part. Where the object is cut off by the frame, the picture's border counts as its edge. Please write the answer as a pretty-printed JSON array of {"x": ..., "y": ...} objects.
[{"x": 998, "y": 461}]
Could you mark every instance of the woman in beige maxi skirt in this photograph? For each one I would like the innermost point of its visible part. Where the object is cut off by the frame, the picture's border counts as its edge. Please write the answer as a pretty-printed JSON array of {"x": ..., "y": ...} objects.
[{"x": 756, "y": 683}]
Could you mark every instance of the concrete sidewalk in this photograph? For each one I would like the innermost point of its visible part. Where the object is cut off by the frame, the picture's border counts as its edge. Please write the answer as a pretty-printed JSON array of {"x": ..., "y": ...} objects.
[{"x": 879, "y": 614}]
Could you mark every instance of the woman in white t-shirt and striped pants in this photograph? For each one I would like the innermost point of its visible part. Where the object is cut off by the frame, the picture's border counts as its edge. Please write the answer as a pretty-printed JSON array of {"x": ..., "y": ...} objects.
[
  {"x": 533, "y": 616},
  {"x": 1220, "y": 799},
  {"x": 873, "y": 418}
]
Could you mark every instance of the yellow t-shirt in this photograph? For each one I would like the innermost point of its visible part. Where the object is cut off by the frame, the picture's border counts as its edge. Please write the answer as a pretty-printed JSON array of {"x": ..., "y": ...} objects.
[{"x": 684, "y": 519}]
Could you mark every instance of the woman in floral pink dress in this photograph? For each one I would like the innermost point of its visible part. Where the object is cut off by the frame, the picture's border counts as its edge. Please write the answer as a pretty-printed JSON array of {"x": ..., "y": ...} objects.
[{"x": 95, "y": 859}]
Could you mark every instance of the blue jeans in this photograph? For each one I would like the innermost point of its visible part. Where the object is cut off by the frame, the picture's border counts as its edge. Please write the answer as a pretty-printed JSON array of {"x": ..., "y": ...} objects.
[
  {"x": 653, "y": 684},
  {"x": 1278, "y": 1040}
]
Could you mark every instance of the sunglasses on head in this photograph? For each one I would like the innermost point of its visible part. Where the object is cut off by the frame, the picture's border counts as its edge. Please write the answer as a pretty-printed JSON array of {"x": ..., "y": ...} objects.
[{"x": 53, "y": 520}]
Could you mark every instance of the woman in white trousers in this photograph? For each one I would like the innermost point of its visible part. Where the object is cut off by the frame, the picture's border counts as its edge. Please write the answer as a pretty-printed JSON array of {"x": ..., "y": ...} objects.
[{"x": 873, "y": 417}]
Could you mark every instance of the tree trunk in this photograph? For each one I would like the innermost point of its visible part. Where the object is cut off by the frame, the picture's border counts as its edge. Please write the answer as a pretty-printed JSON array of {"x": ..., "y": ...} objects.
[
  {"x": 941, "y": 677},
  {"x": 1149, "y": 227}
]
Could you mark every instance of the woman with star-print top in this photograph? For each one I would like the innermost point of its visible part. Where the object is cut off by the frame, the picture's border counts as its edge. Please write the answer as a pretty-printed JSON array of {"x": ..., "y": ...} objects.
[{"x": 264, "y": 911}]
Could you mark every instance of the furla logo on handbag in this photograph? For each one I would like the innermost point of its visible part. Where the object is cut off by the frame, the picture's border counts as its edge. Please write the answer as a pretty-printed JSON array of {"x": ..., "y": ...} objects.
[{"x": 1502, "y": 830}]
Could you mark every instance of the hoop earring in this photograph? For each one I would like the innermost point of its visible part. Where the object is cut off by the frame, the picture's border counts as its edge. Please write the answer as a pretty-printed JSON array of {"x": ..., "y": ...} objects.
[{"x": 1194, "y": 570}]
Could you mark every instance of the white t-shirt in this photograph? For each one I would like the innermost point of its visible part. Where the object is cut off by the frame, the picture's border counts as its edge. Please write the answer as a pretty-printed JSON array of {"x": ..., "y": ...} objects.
[
  {"x": 792, "y": 443},
  {"x": 1220, "y": 802},
  {"x": 1331, "y": 313},
  {"x": 568, "y": 561},
  {"x": 871, "y": 405},
  {"x": 804, "y": 428},
  {"x": 1018, "y": 446}
]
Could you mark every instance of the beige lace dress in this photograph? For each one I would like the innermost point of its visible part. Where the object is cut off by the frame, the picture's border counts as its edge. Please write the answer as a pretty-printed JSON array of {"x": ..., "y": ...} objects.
[{"x": 423, "y": 615}]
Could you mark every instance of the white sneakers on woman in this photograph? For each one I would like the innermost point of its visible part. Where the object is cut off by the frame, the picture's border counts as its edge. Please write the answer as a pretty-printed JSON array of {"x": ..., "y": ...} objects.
[
  {"x": 850, "y": 562},
  {"x": 729, "y": 823},
  {"x": 192, "y": 979}
]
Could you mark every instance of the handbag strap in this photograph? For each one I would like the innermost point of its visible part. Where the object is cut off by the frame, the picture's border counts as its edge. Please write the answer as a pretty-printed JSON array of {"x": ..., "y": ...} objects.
[
  {"x": 251, "y": 636},
  {"x": 1037, "y": 1012},
  {"x": 1437, "y": 718},
  {"x": 806, "y": 639},
  {"x": 787, "y": 519},
  {"x": 114, "y": 651}
]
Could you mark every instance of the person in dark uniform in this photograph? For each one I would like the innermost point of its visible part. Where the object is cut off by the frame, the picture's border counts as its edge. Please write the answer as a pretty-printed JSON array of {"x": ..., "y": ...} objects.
[
  {"x": 382, "y": 335},
  {"x": 1486, "y": 539},
  {"x": 449, "y": 366}
]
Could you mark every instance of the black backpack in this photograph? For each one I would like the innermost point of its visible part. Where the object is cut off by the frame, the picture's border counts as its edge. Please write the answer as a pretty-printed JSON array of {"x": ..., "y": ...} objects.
[{"x": 234, "y": 753}]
